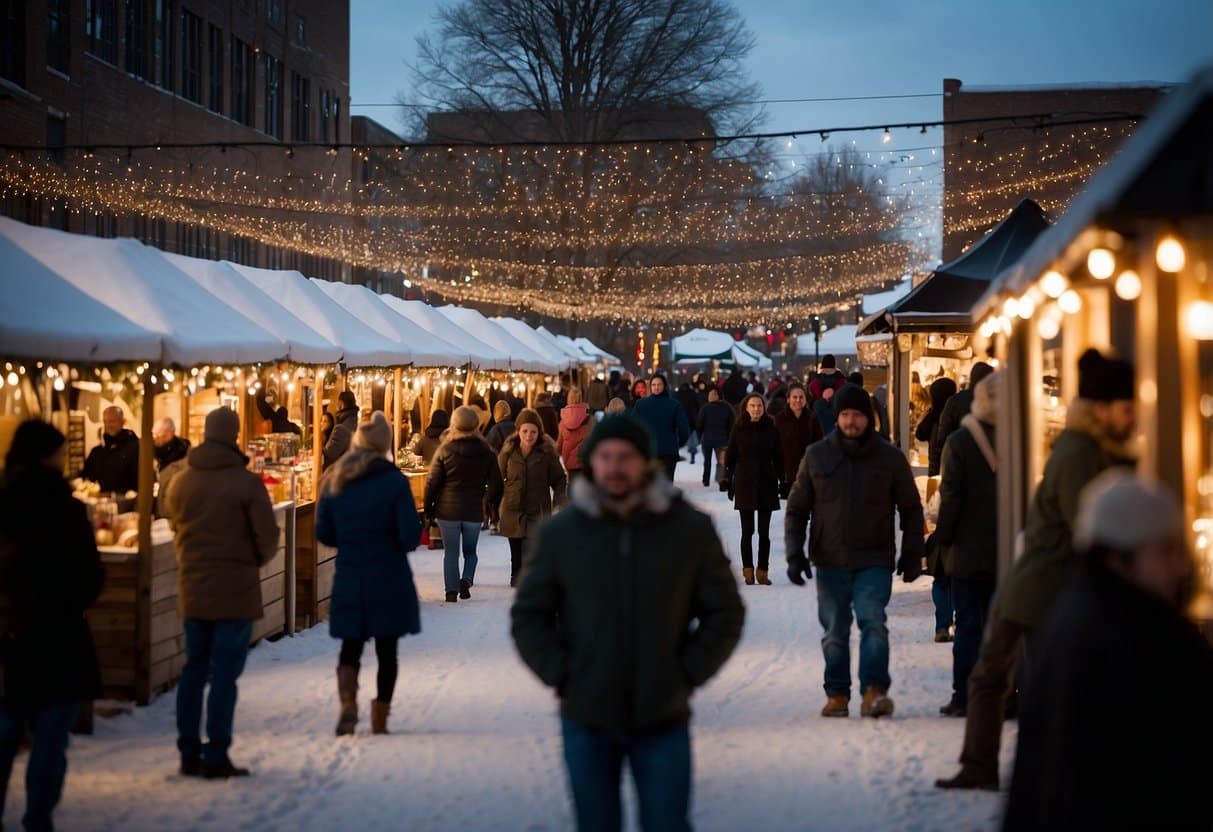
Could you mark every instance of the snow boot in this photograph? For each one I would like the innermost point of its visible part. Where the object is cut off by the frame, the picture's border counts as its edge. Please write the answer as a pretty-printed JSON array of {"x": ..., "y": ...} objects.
[
  {"x": 762, "y": 577},
  {"x": 379, "y": 715},
  {"x": 969, "y": 779},
  {"x": 876, "y": 703},
  {"x": 347, "y": 692},
  {"x": 837, "y": 706},
  {"x": 748, "y": 574},
  {"x": 465, "y": 590},
  {"x": 943, "y": 637},
  {"x": 222, "y": 771},
  {"x": 452, "y": 597},
  {"x": 953, "y": 708},
  {"x": 190, "y": 766}
]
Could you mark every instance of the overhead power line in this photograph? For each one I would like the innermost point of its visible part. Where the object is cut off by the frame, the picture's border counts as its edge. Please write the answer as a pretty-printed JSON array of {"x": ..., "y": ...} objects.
[{"x": 410, "y": 106}]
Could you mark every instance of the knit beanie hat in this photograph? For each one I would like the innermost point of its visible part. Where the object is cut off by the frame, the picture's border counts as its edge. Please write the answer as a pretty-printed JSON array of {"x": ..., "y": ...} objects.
[
  {"x": 222, "y": 425},
  {"x": 850, "y": 397},
  {"x": 986, "y": 395},
  {"x": 375, "y": 435},
  {"x": 620, "y": 426},
  {"x": 465, "y": 420},
  {"x": 347, "y": 400},
  {"x": 979, "y": 371},
  {"x": 501, "y": 411},
  {"x": 529, "y": 417},
  {"x": 1103, "y": 379},
  {"x": 828, "y": 362},
  {"x": 1125, "y": 512}
]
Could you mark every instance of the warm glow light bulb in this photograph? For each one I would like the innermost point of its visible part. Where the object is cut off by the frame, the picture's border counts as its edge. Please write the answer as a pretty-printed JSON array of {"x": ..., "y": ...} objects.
[
  {"x": 1053, "y": 284},
  {"x": 1010, "y": 307},
  {"x": 1199, "y": 320},
  {"x": 1027, "y": 307},
  {"x": 1048, "y": 327},
  {"x": 1101, "y": 263},
  {"x": 1070, "y": 302},
  {"x": 1128, "y": 285},
  {"x": 1170, "y": 255}
]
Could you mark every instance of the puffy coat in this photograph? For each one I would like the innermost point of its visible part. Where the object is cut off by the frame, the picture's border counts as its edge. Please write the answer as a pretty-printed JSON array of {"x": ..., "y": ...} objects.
[
  {"x": 1087, "y": 759},
  {"x": 796, "y": 434},
  {"x": 575, "y": 424},
  {"x": 114, "y": 464},
  {"x": 498, "y": 433},
  {"x": 850, "y": 490},
  {"x": 345, "y": 425},
  {"x": 530, "y": 482},
  {"x": 374, "y": 525},
  {"x": 715, "y": 424},
  {"x": 605, "y": 607},
  {"x": 753, "y": 464},
  {"x": 50, "y": 573},
  {"x": 463, "y": 477},
  {"x": 967, "y": 528},
  {"x": 225, "y": 532},
  {"x": 666, "y": 421}
]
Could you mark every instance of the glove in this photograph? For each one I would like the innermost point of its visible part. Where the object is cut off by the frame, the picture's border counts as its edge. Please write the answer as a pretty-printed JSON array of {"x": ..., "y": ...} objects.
[
  {"x": 799, "y": 569},
  {"x": 909, "y": 566}
]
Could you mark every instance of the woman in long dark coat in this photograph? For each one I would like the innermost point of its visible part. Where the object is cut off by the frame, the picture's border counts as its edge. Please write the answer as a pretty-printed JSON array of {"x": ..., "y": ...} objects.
[
  {"x": 798, "y": 429},
  {"x": 366, "y": 510},
  {"x": 50, "y": 573},
  {"x": 753, "y": 465}
]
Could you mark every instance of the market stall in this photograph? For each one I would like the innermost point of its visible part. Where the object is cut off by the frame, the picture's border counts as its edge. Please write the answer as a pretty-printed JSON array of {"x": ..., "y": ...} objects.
[{"x": 706, "y": 346}]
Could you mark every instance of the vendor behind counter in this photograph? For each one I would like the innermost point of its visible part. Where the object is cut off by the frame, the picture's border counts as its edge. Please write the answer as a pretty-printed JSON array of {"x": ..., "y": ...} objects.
[{"x": 114, "y": 464}]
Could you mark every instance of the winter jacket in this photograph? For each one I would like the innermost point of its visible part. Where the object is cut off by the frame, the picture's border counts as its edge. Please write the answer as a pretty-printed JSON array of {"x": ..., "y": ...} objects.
[
  {"x": 690, "y": 401},
  {"x": 850, "y": 488},
  {"x": 796, "y": 434},
  {"x": 597, "y": 395},
  {"x": 928, "y": 430},
  {"x": 498, "y": 433},
  {"x": 1044, "y": 569},
  {"x": 463, "y": 478},
  {"x": 575, "y": 425},
  {"x": 880, "y": 405},
  {"x": 551, "y": 422},
  {"x": 225, "y": 532},
  {"x": 170, "y": 461},
  {"x": 431, "y": 439},
  {"x": 753, "y": 465},
  {"x": 834, "y": 379},
  {"x": 956, "y": 409},
  {"x": 373, "y": 524},
  {"x": 114, "y": 464},
  {"x": 715, "y": 424},
  {"x": 530, "y": 482},
  {"x": 1097, "y": 748},
  {"x": 50, "y": 573},
  {"x": 345, "y": 425},
  {"x": 666, "y": 421},
  {"x": 967, "y": 529},
  {"x": 605, "y": 608},
  {"x": 824, "y": 411}
]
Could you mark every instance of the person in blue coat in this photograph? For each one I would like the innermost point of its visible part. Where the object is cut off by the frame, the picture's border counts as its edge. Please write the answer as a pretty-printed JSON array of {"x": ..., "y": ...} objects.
[
  {"x": 666, "y": 420},
  {"x": 367, "y": 511}
]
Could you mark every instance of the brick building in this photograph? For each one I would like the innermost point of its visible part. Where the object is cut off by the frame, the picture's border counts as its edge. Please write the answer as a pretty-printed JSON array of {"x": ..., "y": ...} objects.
[
  {"x": 101, "y": 72},
  {"x": 988, "y": 168}
]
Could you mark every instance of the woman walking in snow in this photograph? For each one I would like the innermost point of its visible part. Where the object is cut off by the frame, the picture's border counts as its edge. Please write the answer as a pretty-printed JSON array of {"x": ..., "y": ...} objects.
[
  {"x": 534, "y": 480},
  {"x": 753, "y": 464},
  {"x": 798, "y": 429},
  {"x": 366, "y": 511},
  {"x": 575, "y": 424}
]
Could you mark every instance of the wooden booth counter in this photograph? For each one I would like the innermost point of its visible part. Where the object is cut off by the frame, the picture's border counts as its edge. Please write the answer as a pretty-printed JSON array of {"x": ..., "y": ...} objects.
[{"x": 139, "y": 662}]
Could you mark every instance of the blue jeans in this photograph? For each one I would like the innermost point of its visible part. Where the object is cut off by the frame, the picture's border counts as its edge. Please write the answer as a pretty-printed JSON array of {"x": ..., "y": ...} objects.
[
  {"x": 47, "y": 765},
  {"x": 941, "y": 594},
  {"x": 215, "y": 650},
  {"x": 661, "y": 770},
  {"x": 973, "y": 600},
  {"x": 868, "y": 591},
  {"x": 452, "y": 531}
]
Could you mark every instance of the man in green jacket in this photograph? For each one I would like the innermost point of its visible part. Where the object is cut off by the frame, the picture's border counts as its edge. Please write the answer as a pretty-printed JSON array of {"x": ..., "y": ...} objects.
[
  {"x": 1099, "y": 426},
  {"x": 626, "y": 605}
]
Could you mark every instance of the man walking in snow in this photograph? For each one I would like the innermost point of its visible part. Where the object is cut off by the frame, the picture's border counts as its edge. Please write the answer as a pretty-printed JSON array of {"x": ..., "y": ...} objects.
[
  {"x": 850, "y": 484},
  {"x": 626, "y": 604}
]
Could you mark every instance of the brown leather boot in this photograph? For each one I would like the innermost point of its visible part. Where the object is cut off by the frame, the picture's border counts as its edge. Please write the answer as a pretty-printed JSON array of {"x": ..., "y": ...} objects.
[
  {"x": 970, "y": 779},
  {"x": 379, "y": 715},
  {"x": 837, "y": 706},
  {"x": 347, "y": 692},
  {"x": 876, "y": 703},
  {"x": 748, "y": 574},
  {"x": 762, "y": 577}
]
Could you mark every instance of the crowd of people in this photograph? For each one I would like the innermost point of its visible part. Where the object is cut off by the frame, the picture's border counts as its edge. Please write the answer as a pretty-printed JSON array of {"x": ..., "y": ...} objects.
[{"x": 1082, "y": 627}]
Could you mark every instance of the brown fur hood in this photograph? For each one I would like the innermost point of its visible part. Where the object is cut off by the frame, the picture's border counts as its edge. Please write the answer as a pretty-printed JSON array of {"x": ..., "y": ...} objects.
[{"x": 544, "y": 445}]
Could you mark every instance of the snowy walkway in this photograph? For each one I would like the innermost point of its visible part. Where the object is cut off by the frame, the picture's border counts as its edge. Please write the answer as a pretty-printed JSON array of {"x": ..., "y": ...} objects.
[{"x": 476, "y": 744}]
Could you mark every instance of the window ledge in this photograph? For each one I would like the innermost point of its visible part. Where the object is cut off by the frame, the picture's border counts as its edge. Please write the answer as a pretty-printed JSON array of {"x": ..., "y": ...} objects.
[
  {"x": 58, "y": 73},
  {"x": 18, "y": 90}
]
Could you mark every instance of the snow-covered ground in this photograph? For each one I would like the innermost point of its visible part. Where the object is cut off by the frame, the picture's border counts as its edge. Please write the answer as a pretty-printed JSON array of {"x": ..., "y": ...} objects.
[{"x": 476, "y": 743}]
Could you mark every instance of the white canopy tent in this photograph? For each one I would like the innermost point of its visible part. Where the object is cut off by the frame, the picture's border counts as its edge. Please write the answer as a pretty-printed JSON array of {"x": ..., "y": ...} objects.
[
  {"x": 701, "y": 345},
  {"x": 839, "y": 340},
  {"x": 431, "y": 320},
  {"x": 570, "y": 349},
  {"x": 522, "y": 357},
  {"x": 588, "y": 346},
  {"x": 141, "y": 285},
  {"x": 532, "y": 338}
]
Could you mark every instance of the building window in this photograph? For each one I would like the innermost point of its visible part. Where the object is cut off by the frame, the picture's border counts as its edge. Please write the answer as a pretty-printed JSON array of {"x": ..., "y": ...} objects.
[
  {"x": 330, "y": 116},
  {"x": 191, "y": 57},
  {"x": 164, "y": 43},
  {"x": 12, "y": 40},
  {"x": 101, "y": 29},
  {"x": 215, "y": 64},
  {"x": 242, "y": 82},
  {"x": 301, "y": 107},
  {"x": 273, "y": 11},
  {"x": 300, "y": 31},
  {"x": 137, "y": 62},
  {"x": 273, "y": 96},
  {"x": 56, "y": 136},
  {"x": 58, "y": 35}
]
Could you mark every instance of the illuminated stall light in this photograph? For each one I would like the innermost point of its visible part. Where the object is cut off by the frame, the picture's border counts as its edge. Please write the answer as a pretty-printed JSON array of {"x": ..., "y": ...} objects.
[
  {"x": 1170, "y": 255},
  {"x": 1128, "y": 285},
  {"x": 1070, "y": 302},
  {"x": 1199, "y": 320},
  {"x": 1027, "y": 307},
  {"x": 1053, "y": 284},
  {"x": 1101, "y": 263}
]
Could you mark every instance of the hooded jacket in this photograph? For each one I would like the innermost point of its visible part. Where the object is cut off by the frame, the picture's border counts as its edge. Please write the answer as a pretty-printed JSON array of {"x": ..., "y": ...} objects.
[
  {"x": 225, "y": 532},
  {"x": 114, "y": 464},
  {"x": 431, "y": 439},
  {"x": 463, "y": 477},
  {"x": 575, "y": 424},
  {"x": 715, "y": 424},
  {"x": 666, "y": 421},
  {"x": 345, "y": 425},
  {"x": 530, "y": 482},
  {"x": 626, "y": 616}
]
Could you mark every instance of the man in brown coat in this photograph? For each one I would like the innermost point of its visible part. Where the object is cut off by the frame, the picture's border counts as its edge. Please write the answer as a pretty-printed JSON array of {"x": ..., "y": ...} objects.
[{"x": 225, "y": 532}]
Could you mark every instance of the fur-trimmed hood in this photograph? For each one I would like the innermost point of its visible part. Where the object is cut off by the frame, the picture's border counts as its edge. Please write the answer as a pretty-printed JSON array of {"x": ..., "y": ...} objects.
[
  {"x": 657, "y": 497},
  {"x": 544, "y": 445}
]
